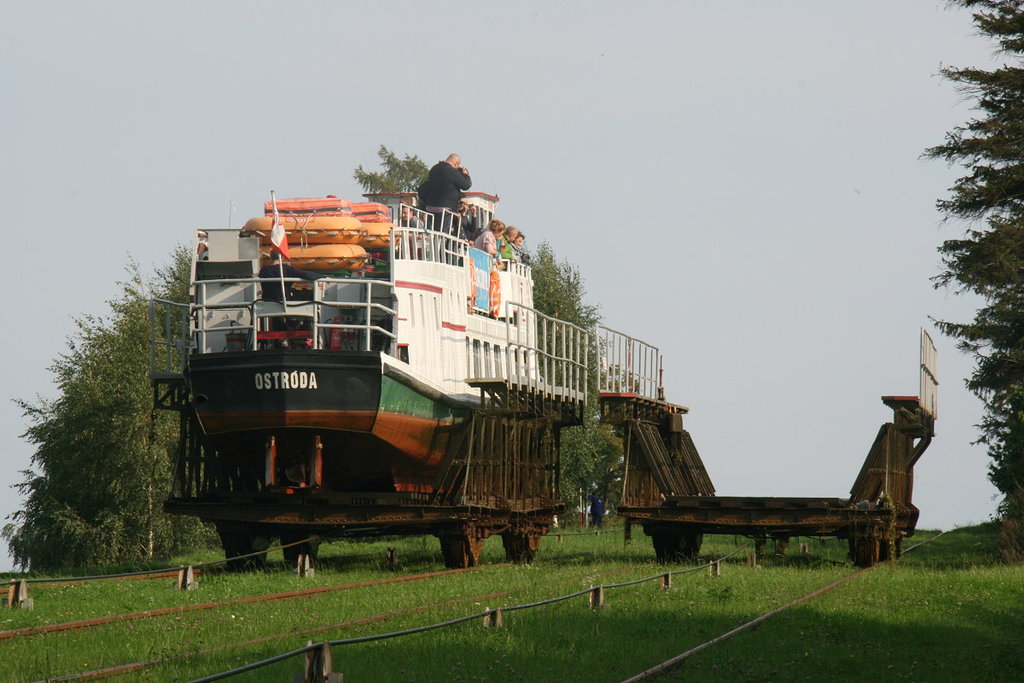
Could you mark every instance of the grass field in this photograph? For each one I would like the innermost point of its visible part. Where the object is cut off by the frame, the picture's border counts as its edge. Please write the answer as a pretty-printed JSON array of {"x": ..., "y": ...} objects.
[{"x": 949, "y": 610}]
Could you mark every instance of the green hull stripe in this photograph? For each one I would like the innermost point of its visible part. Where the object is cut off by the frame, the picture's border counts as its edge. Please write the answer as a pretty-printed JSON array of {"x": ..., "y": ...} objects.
[{"x": 398, "y": 398}]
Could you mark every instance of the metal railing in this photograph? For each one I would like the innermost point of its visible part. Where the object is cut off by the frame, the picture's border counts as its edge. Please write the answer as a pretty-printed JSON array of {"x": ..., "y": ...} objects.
[
  {"x": 169, "y": 336},
  {"x": 343, "y": 314},
  {"x": 929, "y": 395},
  {"x": 413, "y": 244},
  {"x": 627, "y": 365},
  {"x": 545, "y": 353}
]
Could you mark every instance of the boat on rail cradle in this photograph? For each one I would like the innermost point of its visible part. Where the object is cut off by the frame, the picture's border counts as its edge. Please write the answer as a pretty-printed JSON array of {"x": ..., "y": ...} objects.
[{"x": 413, "y": 389}]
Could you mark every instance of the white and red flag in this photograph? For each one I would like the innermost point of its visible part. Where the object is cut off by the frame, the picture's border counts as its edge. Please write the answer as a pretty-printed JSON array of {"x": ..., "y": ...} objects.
[{"x": 278, "y": 237}]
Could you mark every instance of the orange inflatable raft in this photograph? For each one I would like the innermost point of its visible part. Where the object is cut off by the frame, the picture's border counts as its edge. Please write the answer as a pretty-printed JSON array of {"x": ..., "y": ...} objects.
[
  {"x": 333, "y": 229},
  {"x": 376, "y": 235},
  {"x": 326, "y": 257}
]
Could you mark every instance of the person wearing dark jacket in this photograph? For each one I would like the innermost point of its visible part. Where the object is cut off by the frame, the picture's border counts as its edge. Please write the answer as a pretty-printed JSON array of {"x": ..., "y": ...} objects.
[
  {"x": 272, "y": 288},
  {"x": 443, "y": 189}
]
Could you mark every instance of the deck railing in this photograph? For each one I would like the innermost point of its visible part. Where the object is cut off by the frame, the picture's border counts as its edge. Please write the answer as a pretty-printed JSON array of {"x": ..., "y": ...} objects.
[
  {"x": 342, "y": 314},
  {"x": 627, "y": 365},
  {"x": 546, "y": 354}
]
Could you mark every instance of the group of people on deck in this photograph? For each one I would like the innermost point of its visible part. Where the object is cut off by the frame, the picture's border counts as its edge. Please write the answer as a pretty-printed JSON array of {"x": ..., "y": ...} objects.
[{"x": 441, "y": 195}]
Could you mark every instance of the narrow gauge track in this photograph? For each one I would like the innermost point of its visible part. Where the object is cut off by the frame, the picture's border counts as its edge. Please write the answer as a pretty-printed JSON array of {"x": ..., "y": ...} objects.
[
  {"x": 668, "y": 664},
  {"x": 131, "y": 667},
  {"x": 286, "y": 595},
  {"x": 135, "y": 666},
  {"x": 177, "y": 609},
  {"x": 42, "y": 582}
]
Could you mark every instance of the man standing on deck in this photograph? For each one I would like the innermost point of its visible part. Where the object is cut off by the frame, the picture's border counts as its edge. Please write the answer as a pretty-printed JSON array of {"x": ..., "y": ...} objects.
[{"x": 443, "y": 189}]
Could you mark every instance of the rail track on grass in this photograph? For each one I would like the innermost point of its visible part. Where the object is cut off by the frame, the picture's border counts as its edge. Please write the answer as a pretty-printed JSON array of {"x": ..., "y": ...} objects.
[
  {"x": 669, "y": 664},
  {"x": 131, "y": 667},
  {"x": 178, "y": 609}
]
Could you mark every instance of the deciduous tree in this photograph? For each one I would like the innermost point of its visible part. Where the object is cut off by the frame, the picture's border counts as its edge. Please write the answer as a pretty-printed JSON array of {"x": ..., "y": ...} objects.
[
  {"x": 102, "y": 465},
  {"x": 591, "y": 454}
]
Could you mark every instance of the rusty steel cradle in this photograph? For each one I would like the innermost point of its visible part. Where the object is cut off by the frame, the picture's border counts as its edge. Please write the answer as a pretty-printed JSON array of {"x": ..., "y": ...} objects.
[{"x": 667, "y": 490}]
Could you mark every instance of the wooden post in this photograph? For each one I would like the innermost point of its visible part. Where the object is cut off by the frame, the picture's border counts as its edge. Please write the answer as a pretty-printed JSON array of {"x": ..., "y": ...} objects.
[
  {"x": 494, "y": 617},
  {"x": 804, "y": 549},
  {"x": 186, "y": 579},
  {"x": 304, "y": 567},
  {"x": 392, "y": 557},
  {"x": 666, "y": 580},
  {"x": 17, "y": 595},
  {"x": 715, "y": 568},
  {"x": 596, "y": 597},
  {"x": 319, "y": 667}
]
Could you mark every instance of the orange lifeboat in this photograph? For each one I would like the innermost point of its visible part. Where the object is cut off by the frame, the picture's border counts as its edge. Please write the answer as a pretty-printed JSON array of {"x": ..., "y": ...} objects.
[
  {"x": 303, "y": 229},
  {"x": 326, "y": 257},
  {"x": 376, "y": 235}
]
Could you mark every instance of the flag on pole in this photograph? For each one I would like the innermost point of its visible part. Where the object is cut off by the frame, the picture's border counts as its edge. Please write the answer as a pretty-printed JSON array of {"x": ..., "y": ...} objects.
[{"x": 278, "y": 237}]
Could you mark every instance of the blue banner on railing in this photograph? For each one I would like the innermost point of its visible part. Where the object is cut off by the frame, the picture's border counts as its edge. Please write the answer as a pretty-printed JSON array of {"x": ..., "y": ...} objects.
[{"x": 480, "y": 279}]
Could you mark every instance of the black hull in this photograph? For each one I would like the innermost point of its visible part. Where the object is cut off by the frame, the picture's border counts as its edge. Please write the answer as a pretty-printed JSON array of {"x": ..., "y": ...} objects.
[{"x": 285, "y": 388}]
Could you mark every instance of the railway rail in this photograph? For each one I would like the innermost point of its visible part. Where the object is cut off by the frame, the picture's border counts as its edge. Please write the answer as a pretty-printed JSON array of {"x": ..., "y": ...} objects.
[{"x": 129, "y": 667}]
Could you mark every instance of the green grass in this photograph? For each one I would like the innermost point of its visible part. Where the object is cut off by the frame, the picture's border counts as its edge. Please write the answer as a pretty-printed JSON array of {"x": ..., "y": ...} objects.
[{"x": 946, "y": 611}]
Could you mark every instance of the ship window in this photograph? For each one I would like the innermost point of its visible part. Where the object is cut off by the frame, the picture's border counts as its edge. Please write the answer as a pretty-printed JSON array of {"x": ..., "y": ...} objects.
[
  {"x": 403, "y": 353},
  {"x": 412, "y": 310},
  {"x": 478, "y": 359}
]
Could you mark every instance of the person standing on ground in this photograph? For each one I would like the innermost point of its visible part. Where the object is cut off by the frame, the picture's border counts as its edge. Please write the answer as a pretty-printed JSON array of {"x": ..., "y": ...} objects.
[
  {"x": 596, "y": 511},
  {"x": 443, "y": 189}
]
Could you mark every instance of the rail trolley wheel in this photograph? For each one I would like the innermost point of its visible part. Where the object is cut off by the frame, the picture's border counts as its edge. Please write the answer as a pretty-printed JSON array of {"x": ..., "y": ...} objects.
[
  {"x": 238, "y": 542},
  {"x": 292, "y": 553},
  {"x": 520, "y": 546},
  {"x": 883, "y": 550},
  {"x": 672, "y": 546},
  {"x": 865, "y": 552},
  {"x": 461, "y": 550}
]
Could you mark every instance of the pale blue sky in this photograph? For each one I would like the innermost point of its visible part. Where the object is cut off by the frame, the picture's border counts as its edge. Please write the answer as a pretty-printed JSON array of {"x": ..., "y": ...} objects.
[{"x": 738, "y": 182}]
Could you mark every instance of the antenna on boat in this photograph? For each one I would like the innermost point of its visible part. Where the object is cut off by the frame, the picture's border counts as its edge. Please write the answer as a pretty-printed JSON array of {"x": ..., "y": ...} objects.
[{"x": 231, "y": 211}]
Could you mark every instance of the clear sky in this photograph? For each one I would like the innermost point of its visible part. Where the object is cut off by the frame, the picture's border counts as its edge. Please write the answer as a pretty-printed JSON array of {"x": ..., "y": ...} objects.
[{"x": 739, "y": 183}]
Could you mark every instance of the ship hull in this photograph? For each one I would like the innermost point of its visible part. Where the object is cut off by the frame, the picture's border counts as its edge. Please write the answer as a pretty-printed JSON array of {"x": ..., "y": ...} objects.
[{"x": 375, "y": 429}]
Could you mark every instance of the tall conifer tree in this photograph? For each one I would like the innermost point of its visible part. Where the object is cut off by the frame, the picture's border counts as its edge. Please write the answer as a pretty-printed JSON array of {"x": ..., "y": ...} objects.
[{"x": 989, "y": 259}]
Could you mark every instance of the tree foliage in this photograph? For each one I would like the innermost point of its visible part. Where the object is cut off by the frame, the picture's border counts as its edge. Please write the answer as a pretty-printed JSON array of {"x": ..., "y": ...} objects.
[
  {"x": 403, "y": 174},
  {"x": 103, "y": 459},
  {"x": 591, "y": 454},
  {"x": 989, "y": 259}
]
